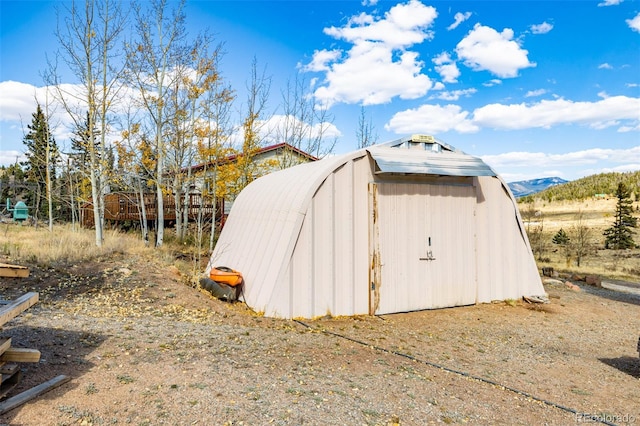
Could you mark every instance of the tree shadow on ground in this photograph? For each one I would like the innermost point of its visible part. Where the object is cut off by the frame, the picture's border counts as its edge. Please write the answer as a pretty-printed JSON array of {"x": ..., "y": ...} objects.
[
  {"x": 62, "y": 352},
  {"x": 626, "y": 364}
]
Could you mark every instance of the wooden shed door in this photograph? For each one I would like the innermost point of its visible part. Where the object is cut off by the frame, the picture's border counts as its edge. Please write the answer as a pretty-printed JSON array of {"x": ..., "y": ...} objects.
[{"x": 422, "y": 246}]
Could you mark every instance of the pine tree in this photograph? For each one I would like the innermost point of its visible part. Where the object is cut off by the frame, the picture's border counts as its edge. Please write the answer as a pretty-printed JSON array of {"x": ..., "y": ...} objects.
[
  {"x": 620, "y": 235},
  {"x": 42, "y": 154},
  {"x": 561, "y": 238}
]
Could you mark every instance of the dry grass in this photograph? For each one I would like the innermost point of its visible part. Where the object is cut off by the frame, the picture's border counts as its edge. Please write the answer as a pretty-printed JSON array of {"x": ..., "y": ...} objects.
[
  {"x": 63, "y": 244},
  {"x": 597, "y": 215},
  {"x": 68, "y": 246}
]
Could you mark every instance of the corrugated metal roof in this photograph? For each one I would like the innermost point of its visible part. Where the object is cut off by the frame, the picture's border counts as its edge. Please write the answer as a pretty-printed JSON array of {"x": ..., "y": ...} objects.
[{"x": 428, "y": 159}]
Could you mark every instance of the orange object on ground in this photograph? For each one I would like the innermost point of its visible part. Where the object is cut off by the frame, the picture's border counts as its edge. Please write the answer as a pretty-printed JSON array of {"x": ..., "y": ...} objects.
[{"x": 228, "y": 276}]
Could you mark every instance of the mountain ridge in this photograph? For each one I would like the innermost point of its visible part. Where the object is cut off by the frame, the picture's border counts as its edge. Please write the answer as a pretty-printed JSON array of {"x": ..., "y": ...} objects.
[{"x": 523, "y": 188}]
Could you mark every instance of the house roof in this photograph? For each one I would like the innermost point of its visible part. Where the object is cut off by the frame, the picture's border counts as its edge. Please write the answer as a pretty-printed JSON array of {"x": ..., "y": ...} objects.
[{"x": 264, "y": 150}]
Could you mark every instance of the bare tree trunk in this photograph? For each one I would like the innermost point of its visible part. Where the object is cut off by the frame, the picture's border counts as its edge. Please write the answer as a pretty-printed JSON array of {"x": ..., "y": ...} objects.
[
  {"x": 90, "y": 52},
  {"x": 143, "y": 215}
]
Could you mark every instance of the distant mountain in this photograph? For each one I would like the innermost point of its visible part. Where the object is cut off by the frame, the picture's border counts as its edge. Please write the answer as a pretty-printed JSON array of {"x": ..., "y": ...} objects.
[{"x": 528, "y": 187}]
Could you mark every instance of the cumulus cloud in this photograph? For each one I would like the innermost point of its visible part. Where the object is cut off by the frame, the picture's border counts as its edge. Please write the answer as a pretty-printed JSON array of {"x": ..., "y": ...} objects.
[
  {"x": 485, "y": 49},
  {"x": 607, "y": 112},
  {"x": 459, "y": 18},
  {"x": 280, "y": 125},
  {"x": 569, "y": 170},
  {"x": 624, "y": 157},
  {"x": 634, "y": 23},
  {"x": 605, "y": 66},
  {"x": 18, "y": 100},
  {"x": 431, "y": 119},
  {"x": 447, "y": 68},
  {"x": 620, "y": 111},
  {"x": 543, "y": 28},
  {"x": 378, "y": 66}
]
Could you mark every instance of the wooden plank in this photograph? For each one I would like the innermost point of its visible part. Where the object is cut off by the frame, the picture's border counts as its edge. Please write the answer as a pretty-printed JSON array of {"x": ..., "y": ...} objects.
[
  {"x": 21, "y": 304},
  {"x": 9, "y": 369},
  {"x": 9, "y": 382},
  {"x": 20, "y": 355},
  {"x": 5, "y": 343},
  {"x": 18, "y": 400},
  {"x": 13, "y": 271}
]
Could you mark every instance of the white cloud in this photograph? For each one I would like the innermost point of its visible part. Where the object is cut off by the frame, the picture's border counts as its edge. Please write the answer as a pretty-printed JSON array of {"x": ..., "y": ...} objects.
[
  {"x": 378, "y": 66},
  {"x": 18, "y": 100},
  {"x": 485, "y": 49},
  {"x": 321, "y": 59},
  {"x": 605, "y": 66},
  {"x": 447, "y": 68},
  {"x": 626, "y": 159},
  {"x": 459, "y": 18},
  {"x": 621, "y": 111},
  {"x": 545, "y": 114},
  {"x": 431, "y": 119},
  {"x": 276, "y": 127},
  {"x": 609, "y": 3},
  {"x": 491, "y": 83},
  {"x": 634, "y": 23},
  {"x": 11, "y": 157},
  {"x": 454, "y": 95},
  {"x": 543, "y": 28},
  {"x": 534, "y": 93}
]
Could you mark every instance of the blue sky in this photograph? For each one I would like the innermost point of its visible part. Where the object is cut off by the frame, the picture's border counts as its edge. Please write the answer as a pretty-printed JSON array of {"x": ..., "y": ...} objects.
[{"x": 536, "y": 89}]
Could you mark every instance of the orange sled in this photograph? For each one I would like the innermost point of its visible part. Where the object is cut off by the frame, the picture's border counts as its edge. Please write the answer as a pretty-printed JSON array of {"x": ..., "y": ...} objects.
[{"x": 224, "y": 275}]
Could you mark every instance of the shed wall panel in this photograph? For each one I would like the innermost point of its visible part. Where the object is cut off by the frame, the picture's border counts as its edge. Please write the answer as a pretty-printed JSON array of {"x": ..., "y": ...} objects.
[
  {"x": 506, "y": 266},
  {"x": 360, "y": 288}
]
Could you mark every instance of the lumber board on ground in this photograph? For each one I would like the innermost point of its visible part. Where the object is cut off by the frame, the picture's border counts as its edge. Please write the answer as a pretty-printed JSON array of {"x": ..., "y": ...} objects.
[
  {"x": 15, "y": 308},
  {"x": 9, "y": 382},
  {"x": 5, "y": 343},
  {"x": 21, "y": 398},
  {"x": 13, "y": 271},
  {"x": 9, "y": 369},
  {"x": 20, "y": 355}
]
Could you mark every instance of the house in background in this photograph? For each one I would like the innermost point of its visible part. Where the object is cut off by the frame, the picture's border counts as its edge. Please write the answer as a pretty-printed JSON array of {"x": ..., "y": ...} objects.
[
  {"x": 406, "y": 225},
  {"x": 263, "y": 161},
  {"x": 125, "y": 207}
]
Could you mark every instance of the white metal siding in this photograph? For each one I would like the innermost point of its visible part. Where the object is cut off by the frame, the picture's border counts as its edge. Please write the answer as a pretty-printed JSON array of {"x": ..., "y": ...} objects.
[
  {"x": 300, "y": 237},
  {"x": 506, "y": 266},
  {"x": 328, "y": 268},
  {"x": 427, "y": 246}
]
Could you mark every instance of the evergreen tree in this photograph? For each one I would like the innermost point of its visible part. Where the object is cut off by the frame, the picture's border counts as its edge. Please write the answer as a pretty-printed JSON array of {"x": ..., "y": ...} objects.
[
  {"x": 42, "y": 154},
  {"x": 620, "y": 235},
  {"x": 561, "y": 238}
]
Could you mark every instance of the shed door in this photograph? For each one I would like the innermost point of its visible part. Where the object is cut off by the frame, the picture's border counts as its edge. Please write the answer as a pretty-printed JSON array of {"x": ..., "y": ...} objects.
[{"x": 422, "y": 246}]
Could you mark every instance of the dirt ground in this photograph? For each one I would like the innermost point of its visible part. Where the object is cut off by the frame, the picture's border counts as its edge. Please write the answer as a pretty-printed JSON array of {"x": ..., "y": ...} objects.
[{"x": 143, "y": 348}]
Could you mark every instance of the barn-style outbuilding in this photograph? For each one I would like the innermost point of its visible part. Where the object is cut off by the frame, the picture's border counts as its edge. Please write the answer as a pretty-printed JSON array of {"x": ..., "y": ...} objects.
[{"x": 406, "y": 225}]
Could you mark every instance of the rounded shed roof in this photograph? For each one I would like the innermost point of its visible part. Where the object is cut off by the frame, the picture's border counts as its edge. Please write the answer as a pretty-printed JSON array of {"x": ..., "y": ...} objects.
[{"x": 260, "y": 235}]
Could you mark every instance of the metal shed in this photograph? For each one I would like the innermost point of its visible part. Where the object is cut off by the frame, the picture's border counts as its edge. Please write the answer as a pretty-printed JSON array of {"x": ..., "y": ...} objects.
[{"x": 406, "y": 225}]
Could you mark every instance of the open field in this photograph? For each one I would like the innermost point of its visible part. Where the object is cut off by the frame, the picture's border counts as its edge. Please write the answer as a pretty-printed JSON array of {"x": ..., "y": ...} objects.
[
  {"x": 144, "y": 347},
  {"x": 596, "y": 215}
]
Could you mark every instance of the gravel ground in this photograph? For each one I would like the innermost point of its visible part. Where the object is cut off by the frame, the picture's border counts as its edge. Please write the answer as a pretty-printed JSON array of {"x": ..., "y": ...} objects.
[{"x": 143, "y": 348}]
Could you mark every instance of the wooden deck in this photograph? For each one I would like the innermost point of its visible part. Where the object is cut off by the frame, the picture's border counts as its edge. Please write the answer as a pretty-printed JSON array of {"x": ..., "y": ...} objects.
[{"x": 125, "y": 206}]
